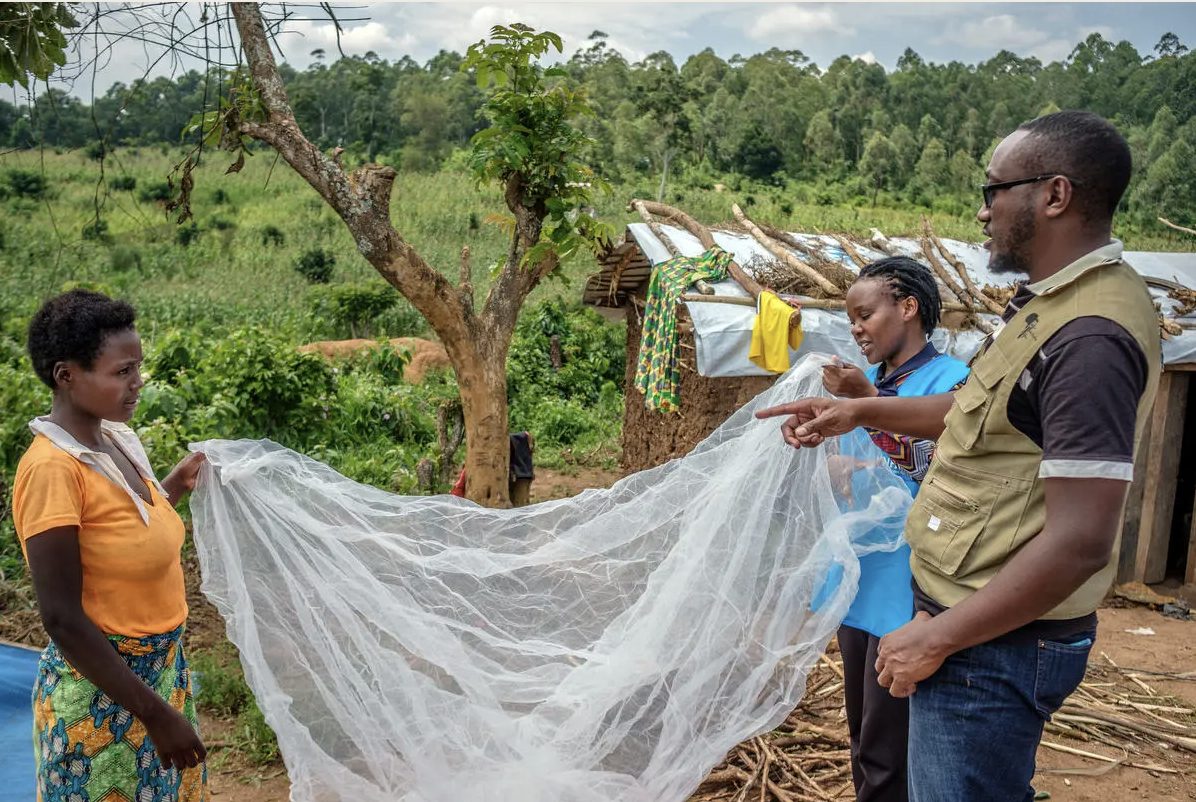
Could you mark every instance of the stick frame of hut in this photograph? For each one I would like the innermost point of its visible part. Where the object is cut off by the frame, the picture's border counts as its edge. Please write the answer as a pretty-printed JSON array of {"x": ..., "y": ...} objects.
[{"x": 1159, "y": 531}]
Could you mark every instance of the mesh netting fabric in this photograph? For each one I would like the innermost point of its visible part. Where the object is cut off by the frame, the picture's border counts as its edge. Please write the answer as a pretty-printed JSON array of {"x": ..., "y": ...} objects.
[{"x": 609, "y": 646}]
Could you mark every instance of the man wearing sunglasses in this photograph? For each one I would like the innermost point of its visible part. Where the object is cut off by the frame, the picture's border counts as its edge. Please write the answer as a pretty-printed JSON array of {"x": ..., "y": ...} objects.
[{"x": 1015, "y": 531}]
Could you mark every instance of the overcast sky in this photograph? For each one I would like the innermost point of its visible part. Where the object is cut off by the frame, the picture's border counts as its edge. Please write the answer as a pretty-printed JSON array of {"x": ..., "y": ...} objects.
[{"x": 939, "y": 32}]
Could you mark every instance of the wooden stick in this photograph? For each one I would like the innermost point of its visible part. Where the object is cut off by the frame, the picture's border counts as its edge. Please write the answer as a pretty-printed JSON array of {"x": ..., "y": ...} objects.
[
  {"x": 647, "y": 208},
  {"x": 639, "y": 206},
  {"x": 785, "y": 256},
  {"x": 642, "y": 207},
  {"x": 961, "y": 269},
  {"x": 826, "y": 661},
  {"x": 796, "y": 768},
  {"x": 849, "y": 249},
  {"x": 882, "y": 243},
  {"x": 806, "y": 303},
  {"x": 1094, "y": 756},
  {"x": 680, "y": 218},
  {"x": 1157, "y": 733},
  {"x": 1169, "y": 224},
  {"x": 941, "y": 271}
]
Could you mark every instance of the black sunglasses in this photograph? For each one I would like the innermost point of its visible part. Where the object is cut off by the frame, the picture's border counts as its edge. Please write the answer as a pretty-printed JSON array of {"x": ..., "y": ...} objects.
[{"x": 990, "y": 190}]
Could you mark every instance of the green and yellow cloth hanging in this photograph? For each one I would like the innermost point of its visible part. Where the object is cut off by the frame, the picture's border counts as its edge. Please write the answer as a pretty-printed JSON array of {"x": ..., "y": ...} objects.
[{"x": 656, "y": 373}]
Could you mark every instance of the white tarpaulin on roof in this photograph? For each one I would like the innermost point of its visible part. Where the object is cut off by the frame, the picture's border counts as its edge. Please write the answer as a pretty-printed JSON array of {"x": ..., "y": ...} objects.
[{"x": 723, "y": 332}]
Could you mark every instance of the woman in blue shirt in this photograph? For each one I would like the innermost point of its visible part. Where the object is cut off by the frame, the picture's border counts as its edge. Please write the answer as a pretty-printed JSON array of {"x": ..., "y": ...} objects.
[{"x": 893, "y": 307}]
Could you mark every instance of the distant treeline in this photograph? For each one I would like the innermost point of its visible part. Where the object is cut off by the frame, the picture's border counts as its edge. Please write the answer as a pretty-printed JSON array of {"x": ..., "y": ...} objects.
[{"x": 919, "y": 133}]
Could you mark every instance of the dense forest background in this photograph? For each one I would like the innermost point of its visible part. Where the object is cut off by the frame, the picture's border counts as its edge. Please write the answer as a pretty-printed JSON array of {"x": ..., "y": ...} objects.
[{"x": 851, "y": 131}]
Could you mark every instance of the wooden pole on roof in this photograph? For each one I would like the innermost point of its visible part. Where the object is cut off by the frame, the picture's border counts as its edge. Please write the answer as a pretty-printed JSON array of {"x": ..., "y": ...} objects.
[
  {"x": 941, "y": 272},
  {"x": 838, "y": 274},
  {"x": 807, "y": 303},
  {"x": 849, "y": 249},
  {"x": 646, "y": 215},
  {"x": 741, "y": 276},
  {"x": 961, "y": 269},
  {"x": 641, "y": 207},
  {"x": 784, "y": 255},
  {"x": 882, "y": 243}
]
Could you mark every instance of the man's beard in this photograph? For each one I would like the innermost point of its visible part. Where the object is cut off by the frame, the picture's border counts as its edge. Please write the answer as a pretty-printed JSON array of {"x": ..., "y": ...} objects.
[{"x": 1014, "y": 256}]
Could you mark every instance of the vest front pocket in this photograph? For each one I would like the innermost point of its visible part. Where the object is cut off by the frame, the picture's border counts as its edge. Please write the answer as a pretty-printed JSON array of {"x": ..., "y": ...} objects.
[
  {"x": 946, "y": 521},
  {"x": 955, "y": 507}
]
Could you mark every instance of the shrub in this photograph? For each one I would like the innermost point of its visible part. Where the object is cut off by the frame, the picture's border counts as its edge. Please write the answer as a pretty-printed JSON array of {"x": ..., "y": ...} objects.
[
  {"x": 96, "y": 150},
  {"x": 590, "y": 352},
  {"x": 27, "y": 184},
  {"x": 220, "y": 685},
  {"x": 222, "y": 223},
  {"x": 96, "y": 230},
  {"x": 186, "y": 234},
  {"x": 254, "y": 739},
  {"x": 158, "y": 192},
  {"x": 123, "y": 183},
  {"x": 355, "y": 307},
  {"x": 272, "y": 235},
  {"x": 316, "y": 265},
  {"x": 560, "y": 421},
  {"x": 219, "y": 197},
  {"x": 257, "y": 384},
  {"x": 123, "y": 258},
  {"x": 172, "y": 353}
]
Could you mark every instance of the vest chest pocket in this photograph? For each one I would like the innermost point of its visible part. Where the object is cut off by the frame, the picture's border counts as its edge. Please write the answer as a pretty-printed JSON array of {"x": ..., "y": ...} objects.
[{"x": 965, "y": 420}]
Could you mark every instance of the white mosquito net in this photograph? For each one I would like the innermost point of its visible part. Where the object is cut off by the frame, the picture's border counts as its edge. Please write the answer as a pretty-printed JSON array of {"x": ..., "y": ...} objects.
[{"x": 611, "y": 646}]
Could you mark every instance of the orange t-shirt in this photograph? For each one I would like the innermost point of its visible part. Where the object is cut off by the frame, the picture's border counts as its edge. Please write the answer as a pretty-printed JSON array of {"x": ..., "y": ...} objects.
[{"x": 132, "y": 576}]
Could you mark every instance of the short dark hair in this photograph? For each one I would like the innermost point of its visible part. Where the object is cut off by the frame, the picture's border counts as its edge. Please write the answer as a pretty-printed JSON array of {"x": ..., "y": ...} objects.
[
  {"x": 908, "y": 278},
  {"x": 72, "y": 326},
  {"x": 1088, "y": 149}
]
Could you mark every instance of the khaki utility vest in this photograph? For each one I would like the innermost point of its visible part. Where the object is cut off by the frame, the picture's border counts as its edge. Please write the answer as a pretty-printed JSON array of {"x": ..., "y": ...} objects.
[{"x": 982, "y": 498}]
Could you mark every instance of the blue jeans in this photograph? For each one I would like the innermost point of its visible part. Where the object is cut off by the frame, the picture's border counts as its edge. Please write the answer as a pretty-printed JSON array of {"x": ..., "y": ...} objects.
[{"x": 975, "y": 724}]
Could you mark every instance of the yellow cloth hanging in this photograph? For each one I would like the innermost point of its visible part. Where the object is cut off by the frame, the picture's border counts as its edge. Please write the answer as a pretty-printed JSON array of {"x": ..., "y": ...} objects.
[{"x": 771, "y": 335}]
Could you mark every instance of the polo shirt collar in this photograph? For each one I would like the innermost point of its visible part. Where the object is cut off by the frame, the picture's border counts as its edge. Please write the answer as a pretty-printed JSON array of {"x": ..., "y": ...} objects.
[
  {"x": 124, "y": 438},
  {"x": 1105, "y": 255}
]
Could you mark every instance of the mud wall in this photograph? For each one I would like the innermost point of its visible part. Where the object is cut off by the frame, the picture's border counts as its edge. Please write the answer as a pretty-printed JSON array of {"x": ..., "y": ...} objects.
[{"x": 651, "y": 438}]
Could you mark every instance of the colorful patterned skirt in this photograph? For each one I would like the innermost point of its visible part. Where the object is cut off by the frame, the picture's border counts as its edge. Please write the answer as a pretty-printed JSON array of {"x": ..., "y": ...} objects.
[{"x": 90, "y": 749}]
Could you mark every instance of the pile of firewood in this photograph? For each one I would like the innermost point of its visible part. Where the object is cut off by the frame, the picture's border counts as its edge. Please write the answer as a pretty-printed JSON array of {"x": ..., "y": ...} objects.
[{"x": 1115, "y": 719}]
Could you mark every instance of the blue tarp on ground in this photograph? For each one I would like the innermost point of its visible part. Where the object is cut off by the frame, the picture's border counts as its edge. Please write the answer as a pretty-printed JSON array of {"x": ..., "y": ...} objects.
[{"x": 18, "y": 669}]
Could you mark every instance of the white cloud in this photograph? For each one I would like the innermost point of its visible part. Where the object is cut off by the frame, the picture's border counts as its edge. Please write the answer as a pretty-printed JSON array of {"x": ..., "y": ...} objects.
[
  {"x": 867, "y": 58},
  {"x": 354, "y": 39},
  {"x": 1052, "y": 50},
  {"x": 1001, "y": 31},
  {"x": 795, "y": 21}
]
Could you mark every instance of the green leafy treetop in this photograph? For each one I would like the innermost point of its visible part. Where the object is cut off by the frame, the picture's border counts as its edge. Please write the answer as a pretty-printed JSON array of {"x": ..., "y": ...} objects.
[
  {"x": 532, "y": 143},
  {"x": 31, "y": 40}
]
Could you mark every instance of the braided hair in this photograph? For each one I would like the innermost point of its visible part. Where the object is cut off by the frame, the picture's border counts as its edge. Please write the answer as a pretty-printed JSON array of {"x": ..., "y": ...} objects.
[{"x": 907, "y": 278}]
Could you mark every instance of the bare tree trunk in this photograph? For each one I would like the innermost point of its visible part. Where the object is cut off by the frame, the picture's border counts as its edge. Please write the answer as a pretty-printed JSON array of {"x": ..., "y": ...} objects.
[
  {"x": 664, "y": 174},
  {"x": 477, "y": 343}
]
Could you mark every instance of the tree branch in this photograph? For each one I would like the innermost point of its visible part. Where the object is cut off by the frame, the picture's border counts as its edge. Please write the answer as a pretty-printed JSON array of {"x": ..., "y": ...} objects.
[
  {"x": 1169, "y": 224},
  {"x": 262, "y": 66},
  {"x": 361, "y": 199}
]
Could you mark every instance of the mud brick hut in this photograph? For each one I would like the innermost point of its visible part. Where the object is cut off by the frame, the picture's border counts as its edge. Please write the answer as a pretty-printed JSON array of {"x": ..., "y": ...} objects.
[{"x": 1159, "y": 538}]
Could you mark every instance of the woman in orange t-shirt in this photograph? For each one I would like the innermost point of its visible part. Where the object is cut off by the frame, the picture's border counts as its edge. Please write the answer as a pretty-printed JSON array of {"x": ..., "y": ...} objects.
[{"x": 112, "y": 705}]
